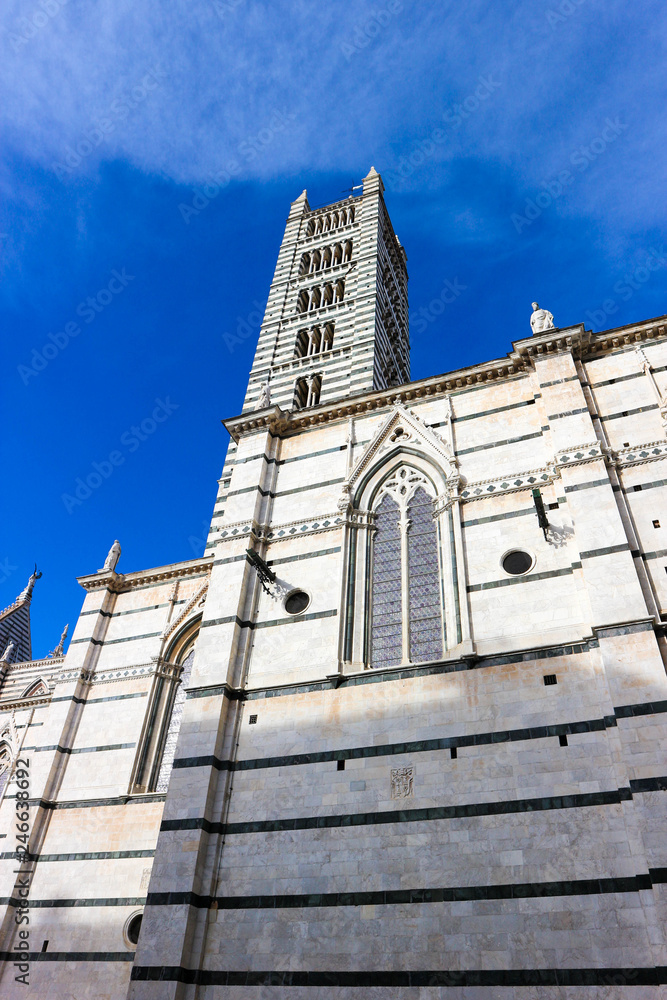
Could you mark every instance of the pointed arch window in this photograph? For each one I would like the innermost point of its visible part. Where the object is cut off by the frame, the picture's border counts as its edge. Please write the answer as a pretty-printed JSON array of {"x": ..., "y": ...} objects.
[
  {"x": 164, "y": 713},
  {"x": 406, "y": 619}
]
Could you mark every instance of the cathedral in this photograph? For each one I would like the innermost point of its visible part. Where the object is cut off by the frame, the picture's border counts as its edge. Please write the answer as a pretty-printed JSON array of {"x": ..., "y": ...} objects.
[{"x": 399, "y": 733}]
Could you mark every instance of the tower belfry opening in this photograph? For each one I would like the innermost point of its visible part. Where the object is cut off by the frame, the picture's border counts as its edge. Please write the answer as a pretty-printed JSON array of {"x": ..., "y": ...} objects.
[{"x": 336, "y": 320}]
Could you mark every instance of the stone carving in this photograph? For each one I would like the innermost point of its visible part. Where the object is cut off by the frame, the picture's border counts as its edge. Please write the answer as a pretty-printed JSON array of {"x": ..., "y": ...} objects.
[
  {"x": 111, "y": 560},
  {"x": 8, "y": 655},
  {"x": 401, "y": 782},
  {"x": 60, "y": 648},
  {"x": 27, "y": 593},
  {"x": 264, "y": 397},
  {"x": 541, "y": 319}
]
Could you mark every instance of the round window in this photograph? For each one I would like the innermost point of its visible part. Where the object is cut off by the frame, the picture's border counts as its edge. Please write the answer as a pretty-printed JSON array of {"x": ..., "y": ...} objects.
[
  {"x": 133, "y": 929},
  {"x": 296, "y": 602},
  {"x": 517, "y": 562}
]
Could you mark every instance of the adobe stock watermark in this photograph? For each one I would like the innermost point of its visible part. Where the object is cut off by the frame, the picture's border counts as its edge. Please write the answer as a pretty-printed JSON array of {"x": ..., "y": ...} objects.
[
  {"x": 453, "y": 118},
  {"x": 249, "y": 150},
  {"x": 368, "y": 31},
  {"x": 225, "y": 7},
  {"x": 245, "y": 327},
  {"x": 626, "y": 287},
  {"x": 131, "y": 440},
  {"x": 6, "y": 569},
  {"x": 104, "y": 125},
  {"x": 29, "y": 26},
  {"x": 421, "y": 318},
  {"x": 88, "y": 310},
  {"x": 553, "y": 188},
  {"x": 564, "y": 10}
]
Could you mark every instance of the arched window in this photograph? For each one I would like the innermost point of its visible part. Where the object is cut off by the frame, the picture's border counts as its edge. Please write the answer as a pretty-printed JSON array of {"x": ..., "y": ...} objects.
[
  {"x": 338, "y": 254},
  {"x": 310, "y": 228},
  {"x": 348, "y": 251},
  {"x": 326, "y": 257},
  {"x": 305, "y": 263},
  {"x": 164, "y": 713},
  {"x": 350, "y": 214},
  {"x": 315, "y": 264},
  {"x": 302, "y": 302},
  {"x": 328, "y": 295},
  {"x": 334, "y": 220},
  {"x": 327, "y": 337},
  {"x": 301, "y": 345},
  {"x": 315, "y": 298},
  {"x": 406, "y": 622},
  {"x": 319, "y": 225},
  {"x": 340, "y": 291},
  {"x": 314, "y": 340},
  {"x": 327, "y": 223},
  {"x": 300, "y": 394},
  {"x": 307, "y": 391}
]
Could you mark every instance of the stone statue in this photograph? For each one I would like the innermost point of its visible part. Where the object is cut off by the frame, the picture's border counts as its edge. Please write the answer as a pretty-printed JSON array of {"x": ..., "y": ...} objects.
[
  {"x": 264, "y": 397},
  {"x": 541, "y": 319},
  {"x": 27, "y": 593},
  {"x": 111, "y": 560},
  {"x": 8, "y": 654}
]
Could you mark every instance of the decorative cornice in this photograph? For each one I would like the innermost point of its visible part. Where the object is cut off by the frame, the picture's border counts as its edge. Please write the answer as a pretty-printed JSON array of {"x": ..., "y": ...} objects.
[
  {"x": 20, "y": 703},
  {"x": 279, "y": 532},
  {"x": 25, "y": 664},
  {"x": 641, "y": 454},
  {"x": 581, "y": 342},
  {"x": 110, "y": 676},
  {"x": 582, "y": 453},
  {"x": 120, "y": 583},
  {"x": 509, "y": 484}
]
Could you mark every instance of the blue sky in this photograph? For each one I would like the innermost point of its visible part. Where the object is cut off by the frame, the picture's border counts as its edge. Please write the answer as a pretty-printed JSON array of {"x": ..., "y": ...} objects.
[{"x": 522, "y": 146}]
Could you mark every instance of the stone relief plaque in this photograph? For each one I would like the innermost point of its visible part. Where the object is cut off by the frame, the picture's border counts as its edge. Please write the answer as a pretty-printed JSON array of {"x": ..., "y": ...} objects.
[{"x": 401, "y": 782}]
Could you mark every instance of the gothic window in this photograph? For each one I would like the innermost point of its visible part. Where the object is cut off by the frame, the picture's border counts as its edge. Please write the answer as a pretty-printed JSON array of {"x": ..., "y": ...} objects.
[
  {"x": 338, "y": 254},
  {"x": 164, "y": 714},
  {"x": 305, "y": 263},
  {"x": 326, "y": 257},
  {"x": 319, "y": 225},
  {"x": 340, "y": 291},
  {"x": 315, "y": 298},
  {"x": 301, "y": 345},
  {"x": 334, "y": 223},
  {"x": 302, "y": 302},
  {"x": 310, "y": 229},
  {"x": 348, "y": 251},
  {"x": 327, "y": 223},
  {"x": 406, "y": 624},
  {"x": 350, "y": 214},
  {"x": 316, "y": 261},
  {"x": 328, "y": 295},
  {"x": 171, "y": 738}
]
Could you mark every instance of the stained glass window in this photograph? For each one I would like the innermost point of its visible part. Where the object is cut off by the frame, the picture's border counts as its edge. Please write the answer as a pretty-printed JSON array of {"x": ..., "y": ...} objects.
[
  {"x": 386, "y": 628},
  {"x": 404, "y": 524},
  {"x": 424, "y": 580}
]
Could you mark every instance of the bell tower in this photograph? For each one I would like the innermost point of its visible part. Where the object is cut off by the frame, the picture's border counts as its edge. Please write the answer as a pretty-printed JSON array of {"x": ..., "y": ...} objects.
[{"x": 336, "y": 320}]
